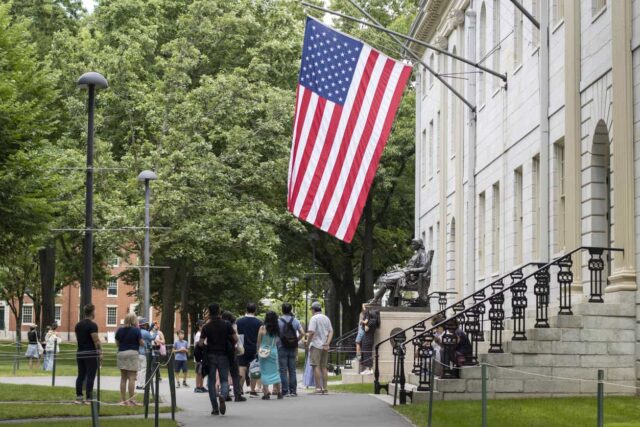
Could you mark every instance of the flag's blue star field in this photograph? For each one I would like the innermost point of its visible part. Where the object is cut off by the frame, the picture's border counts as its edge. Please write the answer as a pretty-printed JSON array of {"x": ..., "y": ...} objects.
[{"x": 329, "y": 60}]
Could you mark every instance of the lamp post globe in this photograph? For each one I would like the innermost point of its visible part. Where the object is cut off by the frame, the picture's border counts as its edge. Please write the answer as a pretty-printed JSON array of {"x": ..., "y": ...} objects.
[{"x": 90, "y": 81}]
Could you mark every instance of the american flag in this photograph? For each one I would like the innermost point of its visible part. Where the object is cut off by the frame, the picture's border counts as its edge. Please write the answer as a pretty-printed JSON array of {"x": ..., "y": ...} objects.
[{"x": 347, "y": 97}]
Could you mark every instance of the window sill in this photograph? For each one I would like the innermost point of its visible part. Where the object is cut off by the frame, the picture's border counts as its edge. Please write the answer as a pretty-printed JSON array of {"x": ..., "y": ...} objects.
[
  {"x": 112, "y": 296},
  {"x": 598, "y": 14},
  {"x": 557, "y": 26}
]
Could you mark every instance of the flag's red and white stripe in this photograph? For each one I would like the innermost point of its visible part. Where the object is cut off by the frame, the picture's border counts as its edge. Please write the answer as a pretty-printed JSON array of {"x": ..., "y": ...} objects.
[{"x": 336, "y": 149}]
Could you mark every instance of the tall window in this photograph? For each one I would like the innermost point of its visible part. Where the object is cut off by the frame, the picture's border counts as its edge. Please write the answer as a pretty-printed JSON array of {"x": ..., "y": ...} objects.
[
  {"x": 557, "y": 12},
  {"x": 432, "y": 65},
  {"x": 431, "y": 149},
  {"x": 518, "y": 215},
  {"x": 2, "y": 324},
  {"x": 27, "y": 313},
  {"x": 496, "y": 42},
  {"x": 112, "y": 316},
  {"x": 455, "y": 133},
  {"x": 57, "y": 314},
  {"x": 535, "y": 33},
  {"x": 431, "y": 239},
  {"x": 112, "y": 287},
  {"x": 423, "y": 157},
  {"x": 597, "y": 5},
  {"x": 535, "y": 205},
  {"x": 436, "y": 146},
  {"x": 559, "y": 190},
  {"x": 482, "y": 212},
  {"x": 114, "y": 261},
  {"x": 423, "y": 81},
  {"x": 517, "y": 37},
  {"x": 495, "y": 226},
  {"x": 482, "y": 52},
  {"x": 436, "y": 256}
]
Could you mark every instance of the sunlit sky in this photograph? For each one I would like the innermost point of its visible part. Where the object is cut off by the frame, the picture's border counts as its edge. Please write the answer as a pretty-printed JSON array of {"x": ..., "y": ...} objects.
[{"x": 88, "y": 4}]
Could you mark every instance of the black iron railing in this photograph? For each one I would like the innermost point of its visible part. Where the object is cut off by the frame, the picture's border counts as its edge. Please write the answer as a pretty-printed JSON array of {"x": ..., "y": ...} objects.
[
  {"x": 421, "y": 326},
  {"x": 470, "y": 319},
  {"x": 343, "y": 348}
]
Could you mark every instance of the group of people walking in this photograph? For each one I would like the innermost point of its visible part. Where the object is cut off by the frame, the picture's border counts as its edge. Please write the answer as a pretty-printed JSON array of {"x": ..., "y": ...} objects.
[
  {"x": 250, "y": 351},
  {"x": 245, "y": 351}
]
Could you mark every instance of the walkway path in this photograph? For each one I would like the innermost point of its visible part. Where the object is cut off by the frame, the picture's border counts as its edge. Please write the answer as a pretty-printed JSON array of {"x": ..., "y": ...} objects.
[{"x": 306, "y": 410}]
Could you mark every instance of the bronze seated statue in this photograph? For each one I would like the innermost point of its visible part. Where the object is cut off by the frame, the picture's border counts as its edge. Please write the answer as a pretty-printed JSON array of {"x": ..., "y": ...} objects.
[{"x": 415, "y": 276}]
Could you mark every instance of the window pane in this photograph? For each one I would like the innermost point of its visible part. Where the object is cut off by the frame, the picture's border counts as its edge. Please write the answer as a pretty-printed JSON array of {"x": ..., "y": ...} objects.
[
  {"x": 2, "y": 325},
  {"x": 57, "y": 314},
  {"x": 112, "y": 315},
  {"x": 27, "y": 314},
  {"x": 112, "y": 287}
]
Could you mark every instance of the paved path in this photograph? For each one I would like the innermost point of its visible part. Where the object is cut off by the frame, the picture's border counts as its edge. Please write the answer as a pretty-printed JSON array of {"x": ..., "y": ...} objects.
[{"x": 306, "y": 410}]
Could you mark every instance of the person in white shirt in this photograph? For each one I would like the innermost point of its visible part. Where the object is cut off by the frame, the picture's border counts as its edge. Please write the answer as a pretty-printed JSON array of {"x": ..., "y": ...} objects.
[{"x": 320, "y": 336}]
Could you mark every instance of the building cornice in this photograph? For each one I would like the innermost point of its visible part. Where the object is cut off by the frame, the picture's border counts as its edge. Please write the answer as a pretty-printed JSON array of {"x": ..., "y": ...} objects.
[{"x": 435, "y": 21}]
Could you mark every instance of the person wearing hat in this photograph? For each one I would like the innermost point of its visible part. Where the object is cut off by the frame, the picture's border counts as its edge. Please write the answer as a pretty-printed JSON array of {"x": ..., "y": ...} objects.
[
  {"x": 147, "y": 337},
  {"x": 33, "y": 352},
  {"x": 320, "y": 336}
]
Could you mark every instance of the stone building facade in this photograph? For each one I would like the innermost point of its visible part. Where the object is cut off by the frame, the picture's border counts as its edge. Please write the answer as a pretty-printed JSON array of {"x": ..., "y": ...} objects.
[{"x": 550, "y": 159}]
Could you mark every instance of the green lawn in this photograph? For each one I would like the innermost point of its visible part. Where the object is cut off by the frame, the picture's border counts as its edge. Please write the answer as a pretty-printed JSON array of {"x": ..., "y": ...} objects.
[
  {"x": 11, "y": 393},
  {"x": 65, "y": 363},
  {"x": 547, "y": 412},
  {"x": 351, "y": 388}
]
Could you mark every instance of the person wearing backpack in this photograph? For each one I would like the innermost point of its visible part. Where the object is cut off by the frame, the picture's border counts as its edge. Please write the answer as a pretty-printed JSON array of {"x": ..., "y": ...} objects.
[{"x": 290, "y": 332}]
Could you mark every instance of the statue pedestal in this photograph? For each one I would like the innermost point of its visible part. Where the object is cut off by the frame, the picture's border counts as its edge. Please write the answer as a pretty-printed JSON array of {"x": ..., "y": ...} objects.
[{"x": 396, "y": 318}]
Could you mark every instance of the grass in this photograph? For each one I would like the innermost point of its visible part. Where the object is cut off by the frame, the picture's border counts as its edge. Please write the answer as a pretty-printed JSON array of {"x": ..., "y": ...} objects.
[
  {"x": 103, "y": 423},
  {"x": 547, "y": 412},
  {"x": 351, "y": 388},
  {"x": 11, "y": 393},
  {"x": 65, "y": 362}
]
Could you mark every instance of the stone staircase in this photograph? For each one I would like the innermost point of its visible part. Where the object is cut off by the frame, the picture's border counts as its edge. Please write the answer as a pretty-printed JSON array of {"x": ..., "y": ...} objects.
[{"x": 551, "y": 360}]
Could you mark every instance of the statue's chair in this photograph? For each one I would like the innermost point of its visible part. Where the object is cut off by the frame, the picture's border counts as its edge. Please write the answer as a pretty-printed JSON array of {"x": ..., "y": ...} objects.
[{"x": 422, "y": 284}]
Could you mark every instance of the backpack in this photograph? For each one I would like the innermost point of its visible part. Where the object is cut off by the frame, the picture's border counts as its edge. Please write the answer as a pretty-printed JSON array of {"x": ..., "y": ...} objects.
[{"x": 289, "y": 337}]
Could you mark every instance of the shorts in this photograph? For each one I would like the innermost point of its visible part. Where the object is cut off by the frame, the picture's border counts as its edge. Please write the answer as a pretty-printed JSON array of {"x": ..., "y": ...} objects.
[
  {"x": 128, "y": 360},
  {"x": 319, "y": 357},
  {"x": 181, "y": 366},
  {"x": 32, "y": 351},
  {"x": 246, "y": 359},
  {"x": 360, "y": 335}
]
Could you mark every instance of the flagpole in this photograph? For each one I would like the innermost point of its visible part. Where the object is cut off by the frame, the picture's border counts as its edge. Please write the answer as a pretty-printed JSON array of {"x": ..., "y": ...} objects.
[
  {"x": 411, "y": 39},
  {"x": 417, "y": 58}
]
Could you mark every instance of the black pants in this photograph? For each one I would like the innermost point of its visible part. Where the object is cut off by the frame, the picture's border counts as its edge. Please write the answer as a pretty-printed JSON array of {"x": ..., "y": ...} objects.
[
  {"x": 87, "y": 368},
  {"x": 234, "y": 371}
]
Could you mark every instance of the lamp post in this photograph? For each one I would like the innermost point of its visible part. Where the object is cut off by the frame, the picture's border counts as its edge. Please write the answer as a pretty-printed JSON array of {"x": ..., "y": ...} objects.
[
  {"x": 146, "y": 176},
  {"x": 306, "y": 301},
  {"x": 90, "y": 81}
]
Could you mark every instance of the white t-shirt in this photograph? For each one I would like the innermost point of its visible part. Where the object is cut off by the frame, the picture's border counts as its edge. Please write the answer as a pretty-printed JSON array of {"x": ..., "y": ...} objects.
[{"x": 320, "y": 325}]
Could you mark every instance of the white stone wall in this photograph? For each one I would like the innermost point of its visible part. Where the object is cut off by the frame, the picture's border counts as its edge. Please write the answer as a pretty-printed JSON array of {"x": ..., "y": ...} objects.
[{"x": 635, "y": 48}]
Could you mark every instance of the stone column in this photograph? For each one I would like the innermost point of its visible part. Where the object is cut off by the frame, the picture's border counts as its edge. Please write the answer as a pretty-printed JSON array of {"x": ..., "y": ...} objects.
[
  {"x": 623, "y": 277},
  {"x": 572, "y": 136}
]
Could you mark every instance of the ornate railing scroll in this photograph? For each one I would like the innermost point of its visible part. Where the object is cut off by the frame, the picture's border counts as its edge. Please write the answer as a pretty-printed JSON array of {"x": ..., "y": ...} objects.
[{"x": 469, "y": 319}]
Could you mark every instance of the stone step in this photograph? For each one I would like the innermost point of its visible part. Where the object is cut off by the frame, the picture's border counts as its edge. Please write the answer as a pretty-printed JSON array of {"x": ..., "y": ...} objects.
[
  {"x": 349, "y": 377},
  {"x": 415, "y": 396}
]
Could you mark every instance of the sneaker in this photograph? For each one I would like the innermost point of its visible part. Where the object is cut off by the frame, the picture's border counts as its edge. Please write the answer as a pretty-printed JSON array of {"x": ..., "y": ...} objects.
[
  {"x": 200, "y": 390},
  {"x": 285, "y": 395},
  {"x": 280, "y": 396},
  {"x": 253, "y": 394},
  {"x": 240, "y": 399},
  {"x": 139, "y": 388},
  {"x": 266, "y": 397},
  {"x": 293, "y": 394},
  {"x": 204, "y": 389},
  {"x": 223, "y": 405},
  {"x": 215, "y": 412},
  {"x": 184, "y": 383},
  {"x": 177, "y": 385},
  {"x": 228, "y": 399}
]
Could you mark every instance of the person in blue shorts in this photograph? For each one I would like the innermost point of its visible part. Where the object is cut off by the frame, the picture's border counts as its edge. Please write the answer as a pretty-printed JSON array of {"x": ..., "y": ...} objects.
[{"x": 181, "y": 350}]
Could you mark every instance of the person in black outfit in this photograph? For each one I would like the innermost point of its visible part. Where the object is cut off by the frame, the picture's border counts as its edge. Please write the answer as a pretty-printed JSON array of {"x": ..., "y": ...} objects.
[
  {"x": 234, "y": 370},
  {"x": 370, "y": 322},
  {"x": 219, "y": 334},
  {"x": 89, "y": 353},
  {"x": 248, "y": 327}
]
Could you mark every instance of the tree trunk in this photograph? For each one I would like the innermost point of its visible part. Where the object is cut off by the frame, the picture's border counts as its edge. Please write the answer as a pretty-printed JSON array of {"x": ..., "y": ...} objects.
[
  {"x": 47, "y": 258},
  {"x": 185, "y": 294},
  {"x": 365, "y": 291},
  {"x": 169, "y": 300},
  {"x": 333, "y": 308}
]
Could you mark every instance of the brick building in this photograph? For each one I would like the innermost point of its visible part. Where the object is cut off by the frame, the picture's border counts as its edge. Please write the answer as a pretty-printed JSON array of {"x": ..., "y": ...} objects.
[{"x": 112, "y": 304}]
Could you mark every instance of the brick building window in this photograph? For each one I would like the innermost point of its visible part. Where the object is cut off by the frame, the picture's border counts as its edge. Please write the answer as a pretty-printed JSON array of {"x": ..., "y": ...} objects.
[
  {"x": 112, "y": 316},
  {"x": 57, "y": 314},
  {"x": 112, "y": 287},
  {"x": 114, "y": 261},
  {"x": 2, "y": 324},
  {"x": 27, "y": 313}
]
